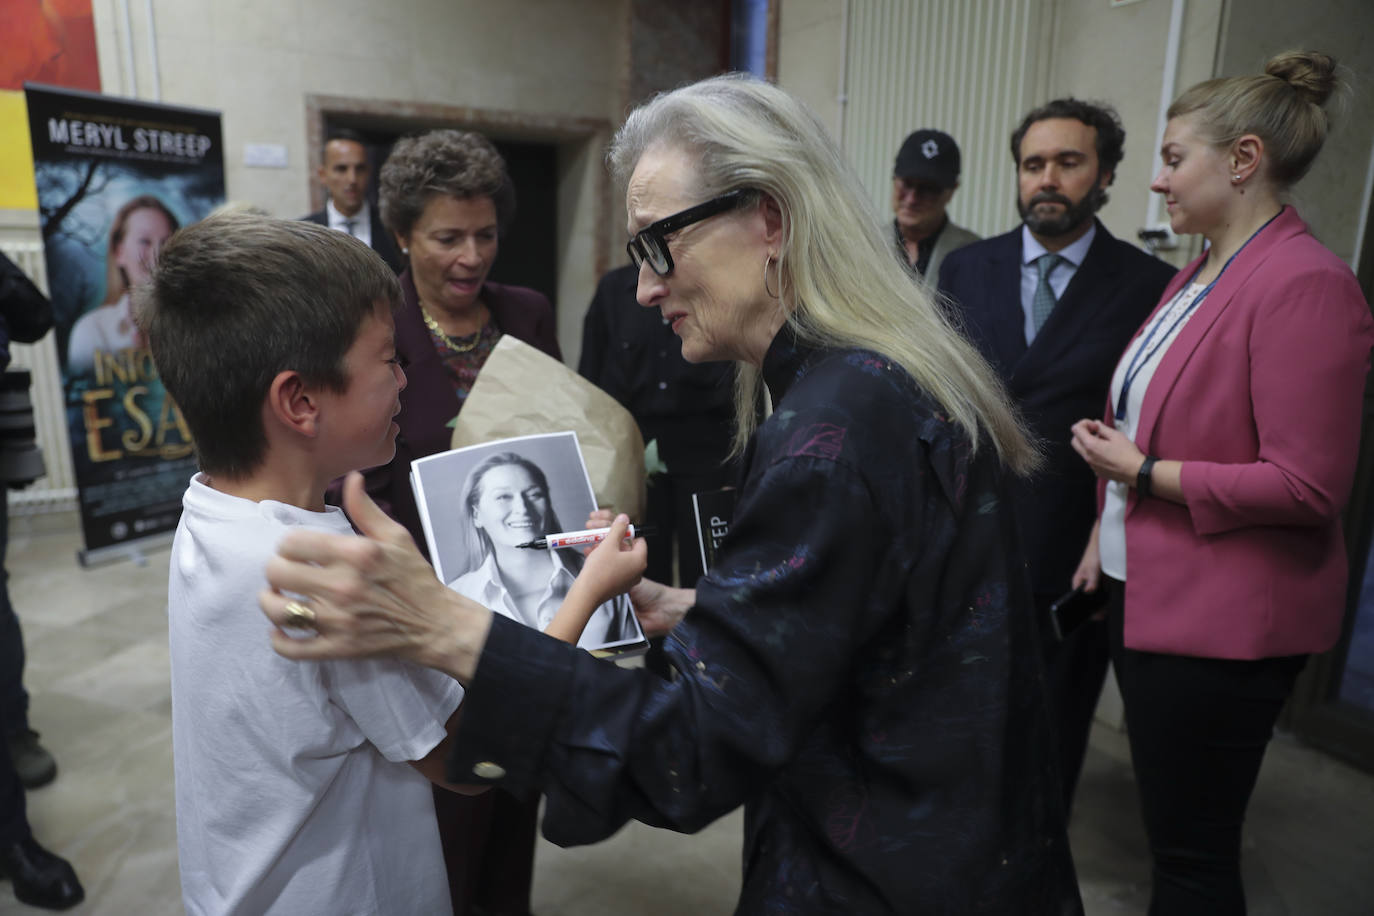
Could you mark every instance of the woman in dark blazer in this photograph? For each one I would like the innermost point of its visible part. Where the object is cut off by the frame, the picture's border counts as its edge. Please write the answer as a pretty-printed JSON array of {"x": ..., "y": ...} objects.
[
  {"x": 1226, "y": 457},
  {"x": 446, "y": 196}
]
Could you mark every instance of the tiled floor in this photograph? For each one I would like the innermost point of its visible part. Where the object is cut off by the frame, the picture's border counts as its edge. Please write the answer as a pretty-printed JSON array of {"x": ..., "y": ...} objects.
[{"x": 98, "y": 674}]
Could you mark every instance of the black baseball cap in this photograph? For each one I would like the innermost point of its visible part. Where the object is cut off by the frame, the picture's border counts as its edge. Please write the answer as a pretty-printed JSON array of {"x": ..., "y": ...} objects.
[{"x": 928, "y": 155}]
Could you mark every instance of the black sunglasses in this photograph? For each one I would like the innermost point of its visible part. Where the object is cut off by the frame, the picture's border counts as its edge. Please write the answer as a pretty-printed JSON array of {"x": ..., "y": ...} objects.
[{"x": 651, "y": 243}]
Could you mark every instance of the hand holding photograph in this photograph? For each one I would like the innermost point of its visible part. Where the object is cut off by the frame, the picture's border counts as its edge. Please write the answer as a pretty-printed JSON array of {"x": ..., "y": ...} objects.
[{"x": 479, "y": 504}]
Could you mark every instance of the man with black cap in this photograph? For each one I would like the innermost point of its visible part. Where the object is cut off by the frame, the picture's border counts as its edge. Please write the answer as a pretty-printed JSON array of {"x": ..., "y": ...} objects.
[{"x": 923, "y": 182}]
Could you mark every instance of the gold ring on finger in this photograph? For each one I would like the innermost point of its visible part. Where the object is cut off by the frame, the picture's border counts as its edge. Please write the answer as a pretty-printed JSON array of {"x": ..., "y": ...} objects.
[{"x": 298, "y": 616}]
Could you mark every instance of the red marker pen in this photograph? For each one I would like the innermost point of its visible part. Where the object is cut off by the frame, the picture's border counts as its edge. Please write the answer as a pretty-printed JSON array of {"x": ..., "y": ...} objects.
[{"x": 581, "y": 538}]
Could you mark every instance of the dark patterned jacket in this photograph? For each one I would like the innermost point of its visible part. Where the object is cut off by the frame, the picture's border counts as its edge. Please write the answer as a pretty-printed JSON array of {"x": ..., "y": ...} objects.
[{"x": 860, "y": 672}]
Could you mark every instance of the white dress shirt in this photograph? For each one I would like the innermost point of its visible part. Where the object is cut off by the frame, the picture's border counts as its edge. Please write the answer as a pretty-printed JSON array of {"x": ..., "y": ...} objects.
[
  {"x": 484, "y": 586},
  {"x": 362, "y": 222}
]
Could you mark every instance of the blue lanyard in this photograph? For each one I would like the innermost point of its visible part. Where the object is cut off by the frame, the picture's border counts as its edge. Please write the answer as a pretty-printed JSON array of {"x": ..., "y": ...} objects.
[{"x": 1143, "y": 355}]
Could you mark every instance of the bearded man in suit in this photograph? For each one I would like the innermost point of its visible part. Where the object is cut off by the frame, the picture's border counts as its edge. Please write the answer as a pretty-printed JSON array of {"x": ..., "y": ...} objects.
[{"x": 1052, "y": 305}]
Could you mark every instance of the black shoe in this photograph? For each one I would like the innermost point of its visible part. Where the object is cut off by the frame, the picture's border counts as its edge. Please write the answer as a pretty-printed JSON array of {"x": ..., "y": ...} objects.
[
  {"x": 32, "y": 762},
  {"x": 40, "y": 878}
]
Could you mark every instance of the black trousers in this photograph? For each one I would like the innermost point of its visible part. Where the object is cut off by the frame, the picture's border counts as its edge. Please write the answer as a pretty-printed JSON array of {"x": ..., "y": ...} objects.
[
  {"x": 1075, "y": 670},
  {"x": 14, "y": 820},
  {"x": 488, "y": 843},
  {"x": 14, "y": 702},
  {"x": 1198, "y": 729}
]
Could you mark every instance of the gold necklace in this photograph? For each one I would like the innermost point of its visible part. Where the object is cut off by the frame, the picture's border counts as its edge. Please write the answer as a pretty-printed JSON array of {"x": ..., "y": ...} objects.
[{"x": 449, "y": 341}]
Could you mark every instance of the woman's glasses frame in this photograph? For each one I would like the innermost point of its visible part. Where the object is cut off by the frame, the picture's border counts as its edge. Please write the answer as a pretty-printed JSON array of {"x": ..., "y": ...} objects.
[{"x": 651, "y": 243}]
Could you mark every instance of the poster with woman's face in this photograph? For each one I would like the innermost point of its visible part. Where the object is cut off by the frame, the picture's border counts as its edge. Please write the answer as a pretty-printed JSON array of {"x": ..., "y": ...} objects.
[
  {"x": 115, "y": 178},
  {"x": 483, "y": 507}
]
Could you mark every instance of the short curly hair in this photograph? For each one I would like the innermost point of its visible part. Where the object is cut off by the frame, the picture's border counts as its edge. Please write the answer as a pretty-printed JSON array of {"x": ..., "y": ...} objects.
[
  {"x": 458, "y": 163},
  {"x": 1111, "y": 136}
]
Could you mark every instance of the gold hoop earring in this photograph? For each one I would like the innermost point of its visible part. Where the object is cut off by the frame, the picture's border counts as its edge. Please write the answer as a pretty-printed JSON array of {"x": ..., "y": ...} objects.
[{"x": 770, "y": 293}]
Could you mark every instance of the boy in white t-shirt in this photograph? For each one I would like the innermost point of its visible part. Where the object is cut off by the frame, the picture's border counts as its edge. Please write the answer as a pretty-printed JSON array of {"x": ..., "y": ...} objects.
[{"x": 300, "y": 788}]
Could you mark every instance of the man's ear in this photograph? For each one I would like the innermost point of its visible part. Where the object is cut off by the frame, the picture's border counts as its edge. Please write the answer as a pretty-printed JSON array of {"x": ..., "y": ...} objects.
[
  {"x": 292, "y": 404},
  {"x": 1104, "y": 178}
]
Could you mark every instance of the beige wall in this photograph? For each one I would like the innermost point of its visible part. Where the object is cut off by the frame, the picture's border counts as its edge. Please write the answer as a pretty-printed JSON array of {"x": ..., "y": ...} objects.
[
  {"x": 1117, "y": 55},
  {"x": 1084, "y": 48},
  {"x": 1334, "y": 195},
  {"x": 809, "y": 53},
  {"x": 257, "y": 60},
  {"x": 1092, "y": 50}
]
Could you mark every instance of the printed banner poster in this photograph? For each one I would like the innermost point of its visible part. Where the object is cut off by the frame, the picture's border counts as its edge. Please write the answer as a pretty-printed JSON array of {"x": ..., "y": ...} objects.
[{"x": 115, "y": 178}]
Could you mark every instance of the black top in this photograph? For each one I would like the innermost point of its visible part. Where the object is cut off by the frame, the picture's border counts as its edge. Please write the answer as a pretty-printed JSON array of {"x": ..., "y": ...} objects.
[
  {"x": 632, "y": 354},
  {"x": 860, "y": 671},
  {"x": 924, "y": 248},
  {"x": 25, "y": 313}
]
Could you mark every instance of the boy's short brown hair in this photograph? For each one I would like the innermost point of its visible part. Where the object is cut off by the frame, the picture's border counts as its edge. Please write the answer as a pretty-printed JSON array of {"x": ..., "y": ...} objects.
[{"x": 236, "y": 299}]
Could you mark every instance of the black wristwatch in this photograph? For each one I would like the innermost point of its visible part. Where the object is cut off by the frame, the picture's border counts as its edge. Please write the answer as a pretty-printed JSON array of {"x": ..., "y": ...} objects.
[{"x": 1143, "y": 485}]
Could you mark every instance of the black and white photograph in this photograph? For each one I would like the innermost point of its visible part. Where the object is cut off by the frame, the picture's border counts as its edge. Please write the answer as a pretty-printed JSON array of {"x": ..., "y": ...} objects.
[{"x": 478, "y": 506}]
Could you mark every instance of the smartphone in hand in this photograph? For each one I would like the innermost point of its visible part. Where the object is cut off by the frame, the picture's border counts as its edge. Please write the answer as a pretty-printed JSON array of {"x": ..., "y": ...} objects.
[{"x": 1072, "y": 609}]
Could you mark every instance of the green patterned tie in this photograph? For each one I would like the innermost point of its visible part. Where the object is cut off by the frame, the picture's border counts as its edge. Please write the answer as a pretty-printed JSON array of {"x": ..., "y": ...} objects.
[{"x": 1043, "y": 301}]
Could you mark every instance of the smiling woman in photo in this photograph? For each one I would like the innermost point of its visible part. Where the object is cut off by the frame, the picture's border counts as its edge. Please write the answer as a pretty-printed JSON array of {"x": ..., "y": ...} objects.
[
  {"x": 136, "y": 235},
  {"x": 507, "y": 500}
]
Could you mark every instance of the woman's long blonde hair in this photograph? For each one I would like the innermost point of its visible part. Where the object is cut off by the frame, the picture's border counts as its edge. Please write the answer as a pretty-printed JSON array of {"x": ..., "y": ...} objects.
[{"x": 837, "y": 267}]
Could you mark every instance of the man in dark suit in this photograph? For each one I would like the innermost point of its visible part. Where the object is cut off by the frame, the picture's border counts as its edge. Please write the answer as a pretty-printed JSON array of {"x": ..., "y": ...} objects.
[
  {"x": 345, "y": 174},
  {"x": 1052, "y": 305}
]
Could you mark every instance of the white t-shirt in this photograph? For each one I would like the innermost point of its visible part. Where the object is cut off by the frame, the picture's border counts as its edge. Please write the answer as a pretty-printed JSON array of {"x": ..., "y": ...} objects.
[
  {"x": 1168, "y": 323},
  {"x": 293, "y": 794}
]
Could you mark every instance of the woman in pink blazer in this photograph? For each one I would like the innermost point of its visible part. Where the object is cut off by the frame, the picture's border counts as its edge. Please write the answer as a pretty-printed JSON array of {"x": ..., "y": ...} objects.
[{"x": 1226, "y": 457}]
